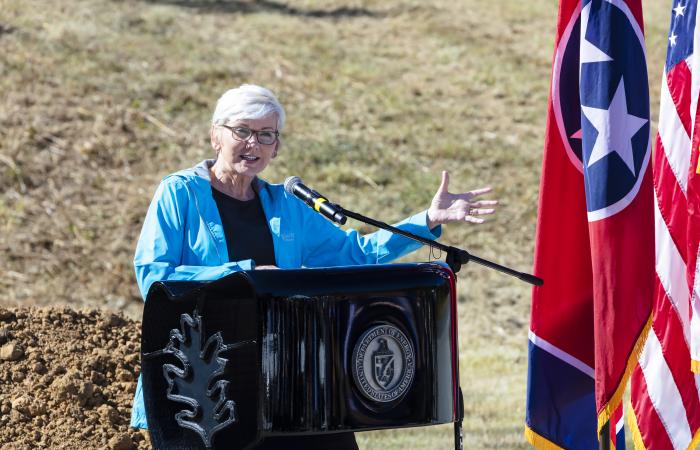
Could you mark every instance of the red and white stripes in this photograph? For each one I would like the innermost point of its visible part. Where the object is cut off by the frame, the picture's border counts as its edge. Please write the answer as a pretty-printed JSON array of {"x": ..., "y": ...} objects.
[{"x": 665, "y": 392}]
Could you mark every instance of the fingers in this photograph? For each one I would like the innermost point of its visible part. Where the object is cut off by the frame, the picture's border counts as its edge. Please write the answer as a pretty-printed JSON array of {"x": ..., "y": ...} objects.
[
  {"x": 484, "y": 203},
  {"x": 468, "y": 196},
  {"x": 474, "y": 212},
  {"x": 445, "y": 181},
  {"x": 472, "y": 219},
  {"x": 481, "y": 211},
  {"x": 480, "y": 191}
]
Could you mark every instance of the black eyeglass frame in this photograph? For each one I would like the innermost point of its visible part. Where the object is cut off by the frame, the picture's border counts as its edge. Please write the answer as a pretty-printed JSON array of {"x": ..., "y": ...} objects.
[{"x": 253, "y": 132}]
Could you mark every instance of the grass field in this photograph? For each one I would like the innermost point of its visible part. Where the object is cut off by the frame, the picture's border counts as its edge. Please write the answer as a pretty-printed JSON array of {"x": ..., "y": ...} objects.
[{"x": 100, "y": 99}]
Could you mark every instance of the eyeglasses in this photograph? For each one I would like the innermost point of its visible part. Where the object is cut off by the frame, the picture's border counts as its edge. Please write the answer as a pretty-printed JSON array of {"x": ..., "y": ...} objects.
[{"x": 264, "y": 137}]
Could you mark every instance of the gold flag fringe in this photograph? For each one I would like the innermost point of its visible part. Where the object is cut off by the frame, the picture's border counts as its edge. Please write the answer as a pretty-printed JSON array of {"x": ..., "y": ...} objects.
[
  {"x": 695, "y": 366},
  {"x": 634, "y": 428},
  {"x": 614, "y": 402},
  {"x": 695, "y": 442},
  {"x": 637, "y": 435},
  {"x": 540, "y": 442}
]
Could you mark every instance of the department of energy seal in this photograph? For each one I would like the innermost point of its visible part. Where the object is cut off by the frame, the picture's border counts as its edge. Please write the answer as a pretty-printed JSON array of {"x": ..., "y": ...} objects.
[{"x": 383, "y": 363}]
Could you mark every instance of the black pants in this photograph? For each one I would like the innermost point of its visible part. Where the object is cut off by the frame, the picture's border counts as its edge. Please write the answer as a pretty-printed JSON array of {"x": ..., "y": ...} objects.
[{"x": 335, "y": 441}]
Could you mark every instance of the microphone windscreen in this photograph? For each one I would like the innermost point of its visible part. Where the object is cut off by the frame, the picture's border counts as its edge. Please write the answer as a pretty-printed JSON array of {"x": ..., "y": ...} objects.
[{"x": 289, "y": 184}]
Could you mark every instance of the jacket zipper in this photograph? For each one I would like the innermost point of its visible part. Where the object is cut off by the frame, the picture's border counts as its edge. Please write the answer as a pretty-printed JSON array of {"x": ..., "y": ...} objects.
[{"x": 211, "y": 233}]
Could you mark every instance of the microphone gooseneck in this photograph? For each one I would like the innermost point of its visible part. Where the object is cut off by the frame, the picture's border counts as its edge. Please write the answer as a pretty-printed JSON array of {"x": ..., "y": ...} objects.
[
  {"x": 313, "y": 199},
  {"x": 456, "y": 257}
]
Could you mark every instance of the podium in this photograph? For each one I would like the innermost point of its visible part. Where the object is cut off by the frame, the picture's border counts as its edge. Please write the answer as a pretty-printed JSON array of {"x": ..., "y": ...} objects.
[{"x": 265, "y": 353}]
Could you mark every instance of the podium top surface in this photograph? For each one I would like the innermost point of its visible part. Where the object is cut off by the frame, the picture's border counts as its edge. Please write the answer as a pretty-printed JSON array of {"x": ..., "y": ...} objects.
[{"x": 312, "y": 281}]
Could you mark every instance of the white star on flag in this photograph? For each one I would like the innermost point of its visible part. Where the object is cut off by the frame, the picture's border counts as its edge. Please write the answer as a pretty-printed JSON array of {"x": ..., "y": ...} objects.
[
  {"x": 589, "y": 53},
  {"x": 615, "y": 129},
  {"x": 679, "y": 10},
  {"x": 672, "y": 39}
]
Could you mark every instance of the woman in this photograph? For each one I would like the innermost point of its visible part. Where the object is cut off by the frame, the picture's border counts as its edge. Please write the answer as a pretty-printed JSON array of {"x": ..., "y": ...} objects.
[{"x": 219, "y": 217}]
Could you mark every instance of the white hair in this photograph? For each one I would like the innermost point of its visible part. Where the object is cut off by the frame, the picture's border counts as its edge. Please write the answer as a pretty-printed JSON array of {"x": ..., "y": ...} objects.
[{"x": 247, "y": 102}]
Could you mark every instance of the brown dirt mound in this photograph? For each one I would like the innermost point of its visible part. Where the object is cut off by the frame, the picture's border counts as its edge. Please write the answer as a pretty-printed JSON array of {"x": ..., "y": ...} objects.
[{"x": 67, "y": 379}]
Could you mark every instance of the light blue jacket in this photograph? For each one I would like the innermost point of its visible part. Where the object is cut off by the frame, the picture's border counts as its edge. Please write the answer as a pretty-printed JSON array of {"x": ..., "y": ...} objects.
[{"x": 183, "y": 239}]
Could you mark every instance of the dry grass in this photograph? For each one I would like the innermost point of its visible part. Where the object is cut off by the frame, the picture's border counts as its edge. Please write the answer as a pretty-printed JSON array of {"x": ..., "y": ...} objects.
[{"x": 99, "y": 99}]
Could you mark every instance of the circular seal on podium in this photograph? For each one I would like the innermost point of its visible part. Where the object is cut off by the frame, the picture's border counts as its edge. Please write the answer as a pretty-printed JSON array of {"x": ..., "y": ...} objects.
[{"x": 383, "y": 363}]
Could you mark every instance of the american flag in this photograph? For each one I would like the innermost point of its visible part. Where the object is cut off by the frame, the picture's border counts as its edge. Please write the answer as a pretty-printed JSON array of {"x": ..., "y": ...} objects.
[{"x": 665, "y": 410}]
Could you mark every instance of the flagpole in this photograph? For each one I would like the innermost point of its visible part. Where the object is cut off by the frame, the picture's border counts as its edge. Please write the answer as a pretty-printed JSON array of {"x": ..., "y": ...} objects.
[{"x": 604, "y": 437}]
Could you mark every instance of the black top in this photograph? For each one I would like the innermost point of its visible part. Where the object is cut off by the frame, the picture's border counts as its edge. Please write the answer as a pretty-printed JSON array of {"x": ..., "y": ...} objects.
[
  {"x": 245, "y": 227},
  {"x": 248, "y": 237}
]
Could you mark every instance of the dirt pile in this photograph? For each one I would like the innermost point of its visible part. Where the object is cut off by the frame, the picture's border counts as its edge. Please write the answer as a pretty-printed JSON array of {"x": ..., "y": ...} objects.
[{"x": 67, "y": 379}]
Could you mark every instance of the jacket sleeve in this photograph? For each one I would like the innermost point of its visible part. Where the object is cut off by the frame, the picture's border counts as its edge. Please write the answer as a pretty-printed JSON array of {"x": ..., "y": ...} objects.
[
  {"x": 327, "y": 245},
  {"x": 160, "y": 246}
]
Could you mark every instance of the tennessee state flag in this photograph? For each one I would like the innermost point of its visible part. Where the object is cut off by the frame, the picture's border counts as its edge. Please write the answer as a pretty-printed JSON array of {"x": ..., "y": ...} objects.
[{"x": 595, "y": 229}]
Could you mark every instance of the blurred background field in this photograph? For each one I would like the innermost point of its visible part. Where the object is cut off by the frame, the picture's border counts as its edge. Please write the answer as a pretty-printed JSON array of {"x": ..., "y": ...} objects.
[{"x": 100, "y": 99}]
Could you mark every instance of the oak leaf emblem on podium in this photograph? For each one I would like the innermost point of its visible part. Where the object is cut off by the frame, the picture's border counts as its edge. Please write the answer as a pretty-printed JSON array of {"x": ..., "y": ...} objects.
[{"x": 197, "y": 383}]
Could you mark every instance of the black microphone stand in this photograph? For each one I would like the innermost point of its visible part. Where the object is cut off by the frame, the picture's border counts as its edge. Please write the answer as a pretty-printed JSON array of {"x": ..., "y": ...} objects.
[{"x": 455, "y": 258}]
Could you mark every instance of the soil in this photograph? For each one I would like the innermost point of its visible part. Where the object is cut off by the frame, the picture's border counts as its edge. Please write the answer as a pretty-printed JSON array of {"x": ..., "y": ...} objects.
[{"x": 67, "y": 379}]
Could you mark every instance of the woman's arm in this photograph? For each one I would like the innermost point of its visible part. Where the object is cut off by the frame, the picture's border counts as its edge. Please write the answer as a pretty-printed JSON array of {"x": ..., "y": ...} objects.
[{"x": 327, "y": 245}]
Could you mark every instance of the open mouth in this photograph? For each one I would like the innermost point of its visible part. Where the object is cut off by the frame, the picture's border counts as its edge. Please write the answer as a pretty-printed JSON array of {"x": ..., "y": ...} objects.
[{"x": 250, "y": 157}]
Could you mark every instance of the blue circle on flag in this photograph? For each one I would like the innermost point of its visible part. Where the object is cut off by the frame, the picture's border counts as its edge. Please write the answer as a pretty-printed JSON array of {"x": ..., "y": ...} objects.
[{"x": 605, "y": 113}]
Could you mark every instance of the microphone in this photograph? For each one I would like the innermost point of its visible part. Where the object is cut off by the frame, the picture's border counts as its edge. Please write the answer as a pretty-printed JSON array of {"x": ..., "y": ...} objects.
[{"x": 294, "y": 186}]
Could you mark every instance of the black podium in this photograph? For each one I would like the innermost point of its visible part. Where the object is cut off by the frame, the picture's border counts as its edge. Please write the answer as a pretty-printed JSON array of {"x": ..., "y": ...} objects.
[{"x": 267, "y": 353}]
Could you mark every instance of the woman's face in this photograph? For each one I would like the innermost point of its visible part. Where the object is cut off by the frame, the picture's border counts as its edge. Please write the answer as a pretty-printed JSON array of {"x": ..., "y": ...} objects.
[{"x": 246, "y": 157}]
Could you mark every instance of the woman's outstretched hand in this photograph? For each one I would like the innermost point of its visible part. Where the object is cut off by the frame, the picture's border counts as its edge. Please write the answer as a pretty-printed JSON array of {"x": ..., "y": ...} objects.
[{"x": 447, "y": 207}]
